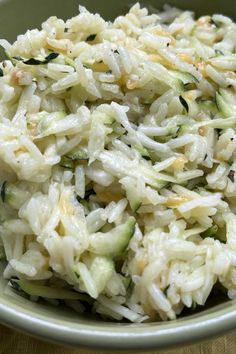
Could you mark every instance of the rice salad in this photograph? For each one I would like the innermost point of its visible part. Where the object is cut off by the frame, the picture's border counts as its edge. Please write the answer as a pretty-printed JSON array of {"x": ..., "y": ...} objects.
[{"x": 118, "y": 161}]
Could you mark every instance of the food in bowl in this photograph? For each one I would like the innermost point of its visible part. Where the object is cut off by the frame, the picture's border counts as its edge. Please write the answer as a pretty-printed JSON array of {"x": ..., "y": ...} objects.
[{"x": 117, "y": 148}]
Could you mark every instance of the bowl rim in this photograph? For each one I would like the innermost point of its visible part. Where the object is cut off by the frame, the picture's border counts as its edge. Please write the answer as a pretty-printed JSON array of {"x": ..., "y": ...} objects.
[{"x": 107, "y": 336}]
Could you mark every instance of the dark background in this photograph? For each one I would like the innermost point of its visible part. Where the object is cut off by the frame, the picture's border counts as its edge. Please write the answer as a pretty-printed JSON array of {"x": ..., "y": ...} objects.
[{"x": 16, "y": 16}]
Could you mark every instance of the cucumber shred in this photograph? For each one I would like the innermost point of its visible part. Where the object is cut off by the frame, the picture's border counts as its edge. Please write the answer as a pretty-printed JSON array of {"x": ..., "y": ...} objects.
[
  {"x": 13, "y": 195},
  {"x": 33, "y": 289},
  {"x": 185, "y": 77},
  {"x": 226, "y": 102},
  {"x": 114, "y": 242},
  {"x": 135, "y": 200},
  {"x": 101, "y": 271},
  {"x": 208, "y": 106},
  {"x": 67, "y": 162},
  {"x": 210, "y": 232},
  {"x": 143, "y": 152},
  {"x": 80, "y": 153}
]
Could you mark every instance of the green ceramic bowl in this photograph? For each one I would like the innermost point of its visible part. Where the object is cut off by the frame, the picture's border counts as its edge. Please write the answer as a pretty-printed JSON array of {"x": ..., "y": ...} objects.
[{"x": 62, "y": 325}]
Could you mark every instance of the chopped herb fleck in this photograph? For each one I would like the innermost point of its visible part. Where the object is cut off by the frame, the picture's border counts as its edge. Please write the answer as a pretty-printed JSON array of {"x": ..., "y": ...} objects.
[
  {"x": 210, "y": 232},
  {"x": 91, "y": 37},
  {"x": 116, "y": 51},
  {"x": 33, "y": 61},
  {"x": 189, "y": 86},
  {"x": 218, "y": 52},
  {"x": 48, "y": 58},
  {"x": 184, "y": 103},
  {"x": 212, "y": 22},
  {"x": 146, "y": 157},
  {"x": 3, "y": 191},
  {"x": 18, "y": 58},
  {"x": 176, "y": 133},
  {"x": 1, "y": 72},
  {"x": 87, "y": 195},
  {"x": 15, "y": 285},
  {"x": 66, "y": 29},
  {"x": 67, "y": 162},
  {"x": 231, "y": 175}
]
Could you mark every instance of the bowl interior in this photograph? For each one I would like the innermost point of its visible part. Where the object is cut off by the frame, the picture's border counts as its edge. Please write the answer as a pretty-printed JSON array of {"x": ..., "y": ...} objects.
[{"x": 58, "y": 323}]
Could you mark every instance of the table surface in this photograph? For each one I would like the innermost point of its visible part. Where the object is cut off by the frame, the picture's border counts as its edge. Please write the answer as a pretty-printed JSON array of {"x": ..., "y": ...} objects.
[{"x": 13, "y": 342}]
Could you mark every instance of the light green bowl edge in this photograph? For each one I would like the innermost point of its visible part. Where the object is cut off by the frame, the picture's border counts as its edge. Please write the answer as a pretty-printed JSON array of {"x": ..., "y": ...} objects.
[
  {"x": 130, "y": 337},
  {"x": 51, "y": 325}
]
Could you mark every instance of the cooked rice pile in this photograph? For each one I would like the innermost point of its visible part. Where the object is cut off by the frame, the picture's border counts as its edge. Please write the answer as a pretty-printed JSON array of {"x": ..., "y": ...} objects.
[{"x": 117, "y": 148}]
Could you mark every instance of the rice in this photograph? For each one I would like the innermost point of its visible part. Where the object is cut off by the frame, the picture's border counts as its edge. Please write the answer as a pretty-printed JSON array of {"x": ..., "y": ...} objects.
[{"x": 117, "y": 150}]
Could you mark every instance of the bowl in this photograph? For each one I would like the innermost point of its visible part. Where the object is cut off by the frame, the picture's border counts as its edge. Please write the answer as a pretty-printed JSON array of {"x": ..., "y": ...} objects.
[{"x": 62, "y": 325}]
